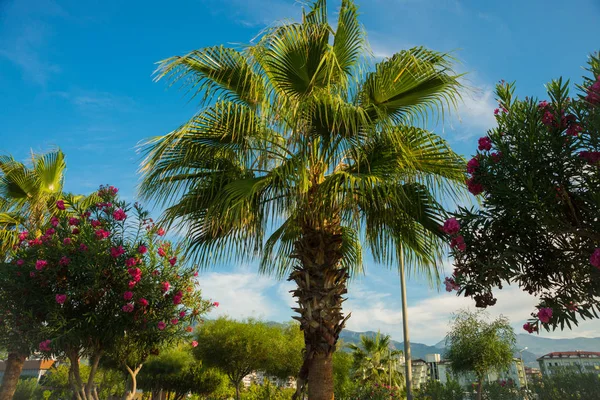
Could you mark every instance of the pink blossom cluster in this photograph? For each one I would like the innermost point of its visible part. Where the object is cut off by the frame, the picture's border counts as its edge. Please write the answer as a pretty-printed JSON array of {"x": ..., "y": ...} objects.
[
  {"x": 592, "y": 157},
  {"x": 45, "y": 346},
  {"x": 107, "y": 191},
  {"x": 545, "y": 314},
  {"x": 485, "y": 143},
  {"x": 452, "y": 227},
  {"x": 595, "y": 258},
  {"x": 61, "y": 298},
  {"x": 177, "y": 298},
  {"x": 116, "y": 252},
  {"x": 119, "y": 215},
  {"x": 593, "y": 92},
  {"x": 529, "y": 327},
  {"x": 450, "y": 284}
]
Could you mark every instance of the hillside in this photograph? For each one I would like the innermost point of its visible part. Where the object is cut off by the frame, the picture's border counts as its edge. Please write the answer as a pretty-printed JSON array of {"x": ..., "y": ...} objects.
[{"x": 536, "y": 346}]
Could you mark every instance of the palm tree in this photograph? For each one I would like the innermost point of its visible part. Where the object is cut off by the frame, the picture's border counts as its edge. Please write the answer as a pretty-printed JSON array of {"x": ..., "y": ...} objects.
[
  {"x": 375, "y": 361},
  {"x": 27, "y": 198},
  {"x": 302, "y": 153}
]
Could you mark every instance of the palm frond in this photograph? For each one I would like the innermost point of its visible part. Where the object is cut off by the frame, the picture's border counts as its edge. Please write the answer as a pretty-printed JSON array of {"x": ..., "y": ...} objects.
[{"x": 215, "y": 71}]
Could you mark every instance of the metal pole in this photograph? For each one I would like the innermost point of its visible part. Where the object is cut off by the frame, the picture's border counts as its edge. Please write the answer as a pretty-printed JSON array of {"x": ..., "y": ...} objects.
[
  {"x": 407, "y": 359},
  {"x": 390, "y": 365}
]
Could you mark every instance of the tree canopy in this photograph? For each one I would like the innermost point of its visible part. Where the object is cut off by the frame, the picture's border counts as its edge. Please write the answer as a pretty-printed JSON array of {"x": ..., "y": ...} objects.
[
  {"x": 538, "y": 174},
  {"x": 477, "y": 345}
]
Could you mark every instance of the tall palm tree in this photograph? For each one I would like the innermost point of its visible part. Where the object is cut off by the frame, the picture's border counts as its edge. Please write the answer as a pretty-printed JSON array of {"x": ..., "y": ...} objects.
[
  {"x": 375, "y": 361},
  {"x": 28, "y": 197},
  {"x": 302, "y": 153}
]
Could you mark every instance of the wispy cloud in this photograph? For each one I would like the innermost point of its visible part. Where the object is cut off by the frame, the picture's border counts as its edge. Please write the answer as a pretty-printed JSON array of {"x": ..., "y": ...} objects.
[{"x": 25, "y": 34}]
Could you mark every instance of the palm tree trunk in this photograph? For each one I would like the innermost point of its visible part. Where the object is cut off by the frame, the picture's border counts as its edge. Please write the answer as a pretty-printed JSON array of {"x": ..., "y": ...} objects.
[
  {"x": 14, "y": 366},
  {"x": 407, "y": 357},
  {"x": 321, "y": 284}
]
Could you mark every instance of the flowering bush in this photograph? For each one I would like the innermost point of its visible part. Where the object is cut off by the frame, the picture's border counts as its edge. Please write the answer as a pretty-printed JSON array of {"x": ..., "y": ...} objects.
[
  {"x": 103, "y": 280},
  {"x": 377, "y": 392},
  {"x": 538, "y": 174}
]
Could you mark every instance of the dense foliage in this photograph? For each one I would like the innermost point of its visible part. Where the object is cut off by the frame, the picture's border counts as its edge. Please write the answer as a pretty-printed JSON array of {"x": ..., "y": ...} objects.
[
  {"x": 568, "y": 386},
  {"x": 300, "y": 136},
  {"x": 239, "y": 348},
  {"x": 99, "y": 280},
  {"x": 375, "y": 362},
  {"x": 538, "y": 173},
  {"x": 480, "y": 346}
]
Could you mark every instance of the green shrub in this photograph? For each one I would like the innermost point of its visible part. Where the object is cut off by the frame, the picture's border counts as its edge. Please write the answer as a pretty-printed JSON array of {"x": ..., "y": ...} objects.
[
  {"x": 568, "y": 386},
  {"x": 28, "y": 389},
  {"x": 434, "y": 390}
]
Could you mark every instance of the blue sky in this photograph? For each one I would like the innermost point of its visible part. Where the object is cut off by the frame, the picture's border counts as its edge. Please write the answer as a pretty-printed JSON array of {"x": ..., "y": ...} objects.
[{"x": 78, "y": 74}]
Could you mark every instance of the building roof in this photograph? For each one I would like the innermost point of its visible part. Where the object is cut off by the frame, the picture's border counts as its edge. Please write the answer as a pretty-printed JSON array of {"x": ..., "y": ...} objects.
[
  {"x": 570, "y": 354},
  {"x": 31, "y": 365}
]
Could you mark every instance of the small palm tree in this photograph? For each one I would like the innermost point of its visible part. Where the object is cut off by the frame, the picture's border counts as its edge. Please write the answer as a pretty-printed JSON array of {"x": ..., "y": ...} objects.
[
  {"x": 375, "y": 361},
  {"x": 301, "y": 155},
  {"x": 28, "y": 195}
]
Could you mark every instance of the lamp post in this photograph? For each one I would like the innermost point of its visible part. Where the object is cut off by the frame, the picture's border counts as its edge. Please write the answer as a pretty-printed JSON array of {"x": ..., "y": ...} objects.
[{"x": 524, "y": 373}]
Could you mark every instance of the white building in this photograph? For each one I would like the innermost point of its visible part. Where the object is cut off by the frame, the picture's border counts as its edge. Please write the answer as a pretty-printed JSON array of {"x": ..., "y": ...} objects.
[
  {"x": 443, "y": 370},
  {"x": 258, "y": 378},
  {"x": 576, "y": 361}
]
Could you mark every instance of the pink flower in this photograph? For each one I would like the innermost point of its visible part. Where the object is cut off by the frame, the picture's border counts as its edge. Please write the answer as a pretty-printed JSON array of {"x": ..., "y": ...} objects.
[
  {"x": 155, "y": 272},
  {"x": 127, "y": 296},
  {"x": 75, "y": 231},
  {"x": 142, "y": 249},
  {"x": 23, "y": 235},
  {"x": 451, "y": 226},
  {"x": 474, "y": 187},
  {"x": 459, "y": 243},
  {"x": 161, "y": 252},
  {"x": 119, "y": 215},
  {"x": 177, "y": 299},
  {"x": 196, "y": 273},
  {"x": 20, "y": 262},
  {"x": 592, "y": 157},
  {"x": 64, "y": 261},
  {"x": 45, "y": 346},
  {"x": 165, "y": 286},
  {"x": 472, "y": 165},
  {"x": 181, "y": 314},
  {"x": 194, "y": 343},
  {"x": 496, "y": 156},
  {"x": 127, "y": 308},
  {"x": 573, "y": 130},
  {"x": 172, "y": 261},
  {"x": 485, "y": 143},
  {"x": 174, "y": 321},
  {"x": 73, "y": 221},
  {"x": 548, "y": 118},
  {"x": 530, "y": 327},
  {"x": 160, "y": 232},
  {"x": 595, "y": 258},
  {"x": 143, "y": 302},
  {"x": 450, "y": 284},
  {"x": 131, "y": 284},
  {"x": 67, "y": 241},
  {"x": 543, "y": 104},
  {"x": 117, "y": 251},
  {"x": 161, "y": 325},
  {"x": 61, "y": 298},
  {"x": 95, "y": 223},
  {"x": 216, "y": 304},
  {"x": 102, "y": 234},
  {"x": 83, "y": 247},
  {"x": 39, "y": 264},
  {"x": 545, "y": 314},
  {"x": 32, "y": 274},
  {"x": 60, "y": 204},
  {"x": 572, "y": 306},
  {"x": 54, "y": 221},
  {"x": 496, "y": 111},
  {"x": 130, "y": 262}
]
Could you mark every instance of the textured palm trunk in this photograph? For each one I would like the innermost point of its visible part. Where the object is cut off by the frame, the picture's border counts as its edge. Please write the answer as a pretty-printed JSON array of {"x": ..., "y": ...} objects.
[
  {"x": 14, "y": 366},
  {"x": 321, "y": 285}
]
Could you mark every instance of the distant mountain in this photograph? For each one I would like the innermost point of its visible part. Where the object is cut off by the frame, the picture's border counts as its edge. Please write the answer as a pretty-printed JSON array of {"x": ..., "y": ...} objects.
[
  {"x": 536, "y": 346},
  {"x": 418, "y": 350}
]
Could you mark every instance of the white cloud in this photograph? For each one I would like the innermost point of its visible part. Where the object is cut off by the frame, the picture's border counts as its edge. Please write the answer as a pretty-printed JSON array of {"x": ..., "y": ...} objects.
[{"x": 475, "y": 114}]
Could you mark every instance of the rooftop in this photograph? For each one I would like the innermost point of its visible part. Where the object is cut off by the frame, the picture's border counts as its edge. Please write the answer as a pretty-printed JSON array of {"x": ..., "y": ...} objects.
[{"x": 571, "y": 354}]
